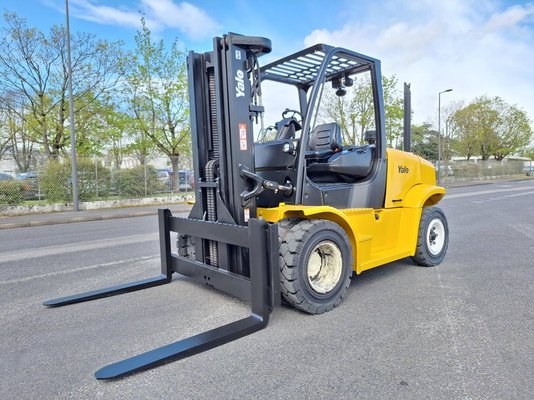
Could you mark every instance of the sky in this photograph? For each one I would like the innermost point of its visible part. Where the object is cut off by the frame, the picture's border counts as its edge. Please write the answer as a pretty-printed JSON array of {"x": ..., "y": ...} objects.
[{"x": 475, "y": 47}]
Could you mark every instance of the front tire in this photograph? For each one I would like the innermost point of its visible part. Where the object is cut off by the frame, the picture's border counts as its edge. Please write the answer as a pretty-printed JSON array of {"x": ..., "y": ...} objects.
[
  {"x": 315, "y": 264},
  {"x": 432, "y": 238}
]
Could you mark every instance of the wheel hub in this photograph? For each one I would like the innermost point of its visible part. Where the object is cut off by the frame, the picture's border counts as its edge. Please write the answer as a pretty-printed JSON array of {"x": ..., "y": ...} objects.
[
  {"x": 325, "y": 264},
  {"x": 435, "y": 236}
]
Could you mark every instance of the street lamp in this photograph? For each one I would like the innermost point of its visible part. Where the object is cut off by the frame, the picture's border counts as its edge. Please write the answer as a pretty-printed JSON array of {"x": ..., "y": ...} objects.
[
  {"x": 74, "y": 168},
  {"x": 439, "y": 131}
]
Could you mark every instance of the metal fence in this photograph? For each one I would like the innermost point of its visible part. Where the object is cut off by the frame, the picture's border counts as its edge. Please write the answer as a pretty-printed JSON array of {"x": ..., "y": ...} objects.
[
  {"x": 49, "y": 182},
  {"x": 477, "y": 170}
]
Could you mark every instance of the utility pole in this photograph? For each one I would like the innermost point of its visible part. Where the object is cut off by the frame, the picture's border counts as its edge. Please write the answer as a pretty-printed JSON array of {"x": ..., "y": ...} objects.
[
  {"x": 439, "y": 133},
  {"x": 74, "y": 171}
]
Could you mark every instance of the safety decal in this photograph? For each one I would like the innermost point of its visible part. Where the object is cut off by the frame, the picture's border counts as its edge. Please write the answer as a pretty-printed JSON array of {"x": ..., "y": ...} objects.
[{"x": 243, "y": 137}]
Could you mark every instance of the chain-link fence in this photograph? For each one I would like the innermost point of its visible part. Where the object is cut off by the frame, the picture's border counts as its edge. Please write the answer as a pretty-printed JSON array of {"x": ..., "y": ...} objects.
[
  {"x": 49, "y": 182},
  {"x": 475, "y": 170}
]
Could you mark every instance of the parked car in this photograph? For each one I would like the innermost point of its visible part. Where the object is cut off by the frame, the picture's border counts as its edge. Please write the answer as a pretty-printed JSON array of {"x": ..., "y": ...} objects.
[
  {"x": 5, "y": 177},
  {"x": 185, "y": 179},
  {"x": 164, "y": 176},
  {"x": 529, "y": 170},
  {"x": 445, "y": 170},
  {"x": 30, "y": 180}
]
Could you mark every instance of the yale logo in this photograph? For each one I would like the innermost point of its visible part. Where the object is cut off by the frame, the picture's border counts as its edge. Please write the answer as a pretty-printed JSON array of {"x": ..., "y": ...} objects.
[
  {"x": 403, "y": 169},
  {"x": 240, "y": 84}
]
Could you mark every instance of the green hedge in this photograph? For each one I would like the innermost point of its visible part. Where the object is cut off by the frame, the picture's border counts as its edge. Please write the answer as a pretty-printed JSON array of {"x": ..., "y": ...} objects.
[
  {"x": 131, "y": 182},
  {"x": 56, "y": 181},
  {"x": 11, "y": 192}
]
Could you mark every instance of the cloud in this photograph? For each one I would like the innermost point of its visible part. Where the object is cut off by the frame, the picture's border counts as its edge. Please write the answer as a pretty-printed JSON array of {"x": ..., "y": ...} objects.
[
  {"x": 101, "y": 14},
  {"x": 194, "y": 22},
  {"x": 510, "y": 18},
  {"x": 471, "y": 46},
  {"x": 191, "y": 20}
]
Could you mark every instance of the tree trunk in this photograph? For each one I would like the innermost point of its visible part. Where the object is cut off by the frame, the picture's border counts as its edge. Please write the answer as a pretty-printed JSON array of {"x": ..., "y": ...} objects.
[{"x": 175, "y": 175}]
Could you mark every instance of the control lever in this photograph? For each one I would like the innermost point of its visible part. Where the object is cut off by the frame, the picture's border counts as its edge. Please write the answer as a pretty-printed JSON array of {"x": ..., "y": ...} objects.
[{"x": 261, "y": 184}]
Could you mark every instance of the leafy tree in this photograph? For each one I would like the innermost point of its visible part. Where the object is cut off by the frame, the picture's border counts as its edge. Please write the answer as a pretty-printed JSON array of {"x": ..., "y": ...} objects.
[
  {"x": 468, "y": 138},
  {"x": 424, "y": 141},
  {"x": 157, "y": 82},
  {"x": 355, "y": 112},
  {"x": 491, "y": 127},
  {"x": 528, "y": 152},
  {"x": 142, "y": 148},
  {"x": 513, "y": 130},
  {"x": 394, "y": 110},
  {"x": 118, "y": 126},
  {"x": 34, "y": 65}
]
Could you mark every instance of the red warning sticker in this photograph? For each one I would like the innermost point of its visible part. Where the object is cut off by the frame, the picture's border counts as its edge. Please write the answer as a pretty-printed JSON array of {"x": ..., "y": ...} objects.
[{"x": 243, "y": 136}]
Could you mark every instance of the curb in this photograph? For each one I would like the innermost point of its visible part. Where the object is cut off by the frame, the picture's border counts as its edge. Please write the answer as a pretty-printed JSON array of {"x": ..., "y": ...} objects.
[{"x": 88, "y": 218}]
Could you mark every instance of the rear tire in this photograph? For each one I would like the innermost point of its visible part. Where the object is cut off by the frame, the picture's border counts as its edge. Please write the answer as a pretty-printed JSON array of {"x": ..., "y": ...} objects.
[
  {"x": 315, "y": 264},
  {"x": 186, "y": 246},
  {"x": 433, "y": 237}
]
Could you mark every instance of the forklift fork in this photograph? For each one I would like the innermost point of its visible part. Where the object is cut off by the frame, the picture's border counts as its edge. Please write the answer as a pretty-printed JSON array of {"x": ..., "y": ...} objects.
[{"x": 261, "y": 289}]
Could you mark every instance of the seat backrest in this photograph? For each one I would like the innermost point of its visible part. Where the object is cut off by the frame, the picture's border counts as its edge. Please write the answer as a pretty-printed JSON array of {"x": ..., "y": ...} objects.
[{"x": 325, "y": 137}]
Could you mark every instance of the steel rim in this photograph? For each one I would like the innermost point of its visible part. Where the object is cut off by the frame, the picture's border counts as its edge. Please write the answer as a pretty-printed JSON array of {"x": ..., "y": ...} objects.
[
  {"x": 325, "y": 264},
  {"x": 435, "y": 236}
]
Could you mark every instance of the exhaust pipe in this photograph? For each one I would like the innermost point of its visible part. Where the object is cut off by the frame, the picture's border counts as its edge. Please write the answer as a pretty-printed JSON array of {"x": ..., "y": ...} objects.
[{"x": 407, "y": 117}]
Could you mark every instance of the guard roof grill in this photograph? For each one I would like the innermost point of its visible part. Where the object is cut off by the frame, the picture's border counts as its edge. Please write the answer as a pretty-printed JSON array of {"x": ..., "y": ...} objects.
[{"x": 301, "y": 68}]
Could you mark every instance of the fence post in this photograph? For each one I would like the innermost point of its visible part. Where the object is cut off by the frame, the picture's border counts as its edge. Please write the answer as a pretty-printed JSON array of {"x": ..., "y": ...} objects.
[
  {"x": 96, "y": 175},
  {"x": 39, "y": 175},
  {"x": 146, "y": 191}
]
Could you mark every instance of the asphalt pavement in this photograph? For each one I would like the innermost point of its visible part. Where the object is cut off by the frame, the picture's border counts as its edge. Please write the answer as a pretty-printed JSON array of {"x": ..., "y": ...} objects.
[{"x": 462, "y": 330}]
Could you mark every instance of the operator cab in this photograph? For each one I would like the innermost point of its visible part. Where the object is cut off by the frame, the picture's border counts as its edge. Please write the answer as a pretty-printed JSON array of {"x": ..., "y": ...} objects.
[{"x": 326, "y": 145}]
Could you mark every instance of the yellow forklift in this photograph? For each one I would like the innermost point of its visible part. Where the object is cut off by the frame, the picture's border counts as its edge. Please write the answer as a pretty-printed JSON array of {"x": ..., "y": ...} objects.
[{"x": 294, "y": 214}]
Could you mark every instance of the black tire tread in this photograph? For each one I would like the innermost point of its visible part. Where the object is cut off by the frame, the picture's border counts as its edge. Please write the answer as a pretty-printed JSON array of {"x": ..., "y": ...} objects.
[
  {"x": 293, "y": 235},
  {"x": 422, "y": 256}
]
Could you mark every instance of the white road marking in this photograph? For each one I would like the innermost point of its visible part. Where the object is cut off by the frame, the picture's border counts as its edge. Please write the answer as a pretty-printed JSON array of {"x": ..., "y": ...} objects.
[
  {"x": 25, "y": 254},
  {"x": 524, "y": 229},
  {"x": 69, "y": 271},
  {"x": 459, "y": 195},
  {"x": 507, "y": 196}
]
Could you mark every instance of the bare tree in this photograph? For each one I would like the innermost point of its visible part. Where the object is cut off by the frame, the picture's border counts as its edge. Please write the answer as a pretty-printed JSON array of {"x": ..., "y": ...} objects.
[
  {"x": 15, "y": 130},
  {"x": 452, "y": 129},
  {"x": 5, "y": 132},
  {"x": 34, "y": 64}
]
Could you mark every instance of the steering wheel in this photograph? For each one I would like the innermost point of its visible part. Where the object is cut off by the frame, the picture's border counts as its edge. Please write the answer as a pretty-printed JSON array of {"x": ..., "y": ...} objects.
[{"x": 288, "y": 113}]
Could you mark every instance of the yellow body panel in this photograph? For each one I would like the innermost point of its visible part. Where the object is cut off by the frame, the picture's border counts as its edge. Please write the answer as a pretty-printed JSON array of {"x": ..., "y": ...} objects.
[
  {"x": 411, "y": 181},
  {"x": 379, "y": 236}
]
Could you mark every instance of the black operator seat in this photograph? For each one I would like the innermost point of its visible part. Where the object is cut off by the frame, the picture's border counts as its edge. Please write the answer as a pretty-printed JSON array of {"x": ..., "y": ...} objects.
[
  {"x": 328, "y": 162},
  {"x": 325, "y": 140}
]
